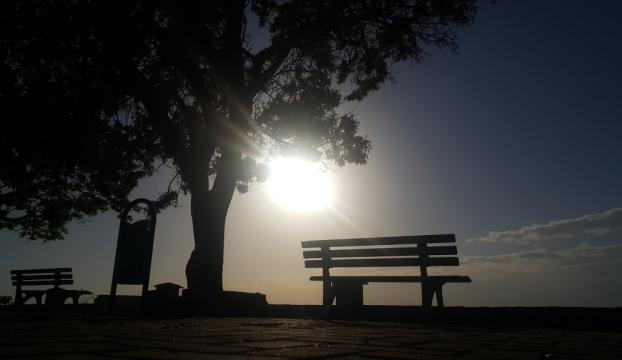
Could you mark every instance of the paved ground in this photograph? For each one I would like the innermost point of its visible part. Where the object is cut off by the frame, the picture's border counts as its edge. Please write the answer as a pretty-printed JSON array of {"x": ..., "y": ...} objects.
[{"x": 39, "y": 336}]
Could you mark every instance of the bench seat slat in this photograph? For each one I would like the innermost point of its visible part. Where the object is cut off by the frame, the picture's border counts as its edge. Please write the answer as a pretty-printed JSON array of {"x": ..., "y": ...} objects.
[
  {"x": 403, "y": 251},
  {"x": 382, "y": 262},
  {"x": 444, "y": 278},
  {"x": 43, "y": 282},
  {"x": 393, "y": 240},
  {"x": 37, "y": 271},
  {"x": 43, "y": 277}
]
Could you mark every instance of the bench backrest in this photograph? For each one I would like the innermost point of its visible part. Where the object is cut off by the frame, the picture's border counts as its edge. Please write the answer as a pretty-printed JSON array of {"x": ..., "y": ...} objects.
[
  {"x": 33, "y": 277},
  {"x": 381, "y": 252}
]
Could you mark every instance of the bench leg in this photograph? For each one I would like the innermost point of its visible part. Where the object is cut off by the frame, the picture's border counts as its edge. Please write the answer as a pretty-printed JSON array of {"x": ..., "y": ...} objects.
[
  {"x": 438, "y": 289},
  {"x": 349, "y": 294},
  {"x": 19, "y": 299},
  {"x": 427, "y": 293},
  {"x": 428, "y": 290},
  {"x": 328, "y": 295}
]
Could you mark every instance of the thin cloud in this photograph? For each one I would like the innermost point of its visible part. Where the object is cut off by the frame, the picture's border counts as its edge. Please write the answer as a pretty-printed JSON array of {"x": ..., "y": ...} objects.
[
  {"x": 591, "y": 226},
  {"x": 530, "y": 255},
  {"x": 589, "y": 253},
  {"x": 584, "y": 253}
]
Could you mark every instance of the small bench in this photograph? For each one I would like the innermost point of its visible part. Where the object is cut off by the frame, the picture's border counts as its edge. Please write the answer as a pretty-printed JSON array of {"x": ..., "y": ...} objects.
[
  {"x": 398, "y": 251},
  {"x": 39, "y": 277}
]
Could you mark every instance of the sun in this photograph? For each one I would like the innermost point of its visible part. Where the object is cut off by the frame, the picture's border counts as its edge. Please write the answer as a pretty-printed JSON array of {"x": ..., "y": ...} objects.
[{"x": 299, "y": 185}]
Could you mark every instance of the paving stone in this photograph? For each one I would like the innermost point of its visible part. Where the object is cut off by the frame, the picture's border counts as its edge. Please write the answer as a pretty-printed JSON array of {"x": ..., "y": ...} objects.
[
  {"x": 175, "y": 355},
  {"x": 358, "y": 357},
  {"x": 334, "y": 340},
  {"x": 58, "y": 349},
  {"x": 181, "y": 346},
  {"x": 588, "y": 349},
  {"x": 450, "y": 346},
  {"x": 308, "y": 352},
  {"x": 196, "y": 339},
  {"x": 23, "y": 340},
  {"x": 274, "y": 344},
  {"x": 524, "y": 348},
  {"x": 506, "y": 355},
  {"x": 39, "y": 336},
  {"x": 409, "y": 354},
  {"x": 584, "y": 357},
  {"x": 72, "y": 357},
  {"x": 400, "y": 340}
]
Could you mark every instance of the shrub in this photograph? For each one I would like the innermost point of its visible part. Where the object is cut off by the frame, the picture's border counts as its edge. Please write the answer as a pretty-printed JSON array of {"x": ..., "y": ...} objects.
[{"x": 6, "y": 300}]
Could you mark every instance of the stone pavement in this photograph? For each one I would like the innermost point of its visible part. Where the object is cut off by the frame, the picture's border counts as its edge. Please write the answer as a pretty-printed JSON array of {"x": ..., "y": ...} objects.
[{"x": 57, "y": 336}]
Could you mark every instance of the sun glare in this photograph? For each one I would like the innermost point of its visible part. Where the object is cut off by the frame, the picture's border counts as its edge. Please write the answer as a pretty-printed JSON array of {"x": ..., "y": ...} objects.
[{"x": 299, "y": 185}]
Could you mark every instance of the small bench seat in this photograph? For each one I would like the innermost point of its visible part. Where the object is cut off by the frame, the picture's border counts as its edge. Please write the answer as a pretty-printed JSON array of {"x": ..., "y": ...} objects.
[{"x": 44, "y": 277}]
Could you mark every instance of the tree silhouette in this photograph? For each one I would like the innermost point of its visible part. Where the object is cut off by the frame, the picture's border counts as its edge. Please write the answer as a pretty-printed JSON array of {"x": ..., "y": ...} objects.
[{"x": 95, "y": 93}]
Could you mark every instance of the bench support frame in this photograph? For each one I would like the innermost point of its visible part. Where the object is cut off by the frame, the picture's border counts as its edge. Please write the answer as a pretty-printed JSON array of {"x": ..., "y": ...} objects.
[
  {"x": 38, "y": 277},
  {"x": 347, "y": 291}
]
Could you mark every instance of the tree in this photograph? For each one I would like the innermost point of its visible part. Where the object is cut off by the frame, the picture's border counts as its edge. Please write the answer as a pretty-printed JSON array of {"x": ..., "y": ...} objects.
[{"x": 97, "y": 92}]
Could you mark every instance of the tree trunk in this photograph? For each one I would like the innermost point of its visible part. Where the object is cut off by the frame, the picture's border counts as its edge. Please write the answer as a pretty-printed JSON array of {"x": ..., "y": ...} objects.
[
  {"x": 209, "y": 212},
  {"x": 204, "y": 268}
]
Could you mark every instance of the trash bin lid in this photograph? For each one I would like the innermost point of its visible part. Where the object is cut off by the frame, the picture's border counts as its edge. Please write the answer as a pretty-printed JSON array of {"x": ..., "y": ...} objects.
[{"x": 167, "y": 285}]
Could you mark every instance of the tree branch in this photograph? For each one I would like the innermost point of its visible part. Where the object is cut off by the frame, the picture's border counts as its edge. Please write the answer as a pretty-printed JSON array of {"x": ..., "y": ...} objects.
[
  {"x": 158, "y": 110},
  {"x": 276, "y": 54}
]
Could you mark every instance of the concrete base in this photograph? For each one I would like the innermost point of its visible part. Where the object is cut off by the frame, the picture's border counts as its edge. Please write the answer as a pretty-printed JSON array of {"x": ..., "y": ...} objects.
[
  {"x": 123, "y": 305},
  {"x": 232, "y": 303},
  {"x": 227, "y": 303}
]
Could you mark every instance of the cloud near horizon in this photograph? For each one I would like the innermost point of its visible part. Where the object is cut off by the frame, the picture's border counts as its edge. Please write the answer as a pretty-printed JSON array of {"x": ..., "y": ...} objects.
[
  {"x": 586, "y": 240},
  {"x": 592, "y": 226},
  {"x": 583, "y": 254}
]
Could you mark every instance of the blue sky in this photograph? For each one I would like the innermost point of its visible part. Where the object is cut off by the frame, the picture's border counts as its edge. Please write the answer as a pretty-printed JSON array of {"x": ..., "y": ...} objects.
[{"x": 513, "y": 145}]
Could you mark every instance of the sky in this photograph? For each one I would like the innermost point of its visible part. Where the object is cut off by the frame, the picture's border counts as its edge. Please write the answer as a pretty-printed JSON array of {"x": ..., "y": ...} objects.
[{"x": 512, "y": 144}]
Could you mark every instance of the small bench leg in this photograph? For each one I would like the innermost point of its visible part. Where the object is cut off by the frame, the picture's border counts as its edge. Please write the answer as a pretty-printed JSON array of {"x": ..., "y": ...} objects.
[
  {"x": 427, "y": 294},
  {"x": 328, "y": 294},
  {"x": 439, "y": 294},
  {"x": 19, "y": 296}
]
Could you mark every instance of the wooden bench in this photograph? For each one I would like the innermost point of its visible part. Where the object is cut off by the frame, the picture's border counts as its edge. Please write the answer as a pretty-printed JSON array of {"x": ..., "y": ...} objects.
[
  {"x": 40, "y": 277},
  {"x": 399, "y": 251}
]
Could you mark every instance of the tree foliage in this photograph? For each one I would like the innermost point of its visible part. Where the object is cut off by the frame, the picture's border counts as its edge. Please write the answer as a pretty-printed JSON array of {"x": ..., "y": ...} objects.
[{"x": 96, "y": 93}]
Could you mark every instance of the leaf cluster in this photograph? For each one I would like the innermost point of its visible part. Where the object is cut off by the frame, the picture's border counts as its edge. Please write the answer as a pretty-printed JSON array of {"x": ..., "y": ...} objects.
[{"x": 95, "y": 92}]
